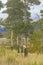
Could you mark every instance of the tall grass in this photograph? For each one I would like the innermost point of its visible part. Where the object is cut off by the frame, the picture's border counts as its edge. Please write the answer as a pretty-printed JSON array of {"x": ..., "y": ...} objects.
[{"x": 9, "y": 57}]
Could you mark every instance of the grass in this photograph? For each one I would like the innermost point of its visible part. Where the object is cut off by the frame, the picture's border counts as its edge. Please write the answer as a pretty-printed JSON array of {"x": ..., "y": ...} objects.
[{"x": 9, "y": 57}]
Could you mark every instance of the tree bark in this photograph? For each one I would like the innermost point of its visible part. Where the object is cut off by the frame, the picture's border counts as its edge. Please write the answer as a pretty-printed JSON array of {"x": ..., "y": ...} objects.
[
  {"x": 11, "y": 39},
  {"x": 25, "y": 49},
  {"x": 18, "y": 45}
]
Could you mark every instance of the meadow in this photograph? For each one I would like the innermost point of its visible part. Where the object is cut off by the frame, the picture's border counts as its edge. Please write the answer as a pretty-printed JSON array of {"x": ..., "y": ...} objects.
[{"x": 11, "y": 57}]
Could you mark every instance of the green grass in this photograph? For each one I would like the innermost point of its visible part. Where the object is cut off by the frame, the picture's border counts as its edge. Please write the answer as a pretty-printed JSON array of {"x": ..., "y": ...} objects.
[{"x": 9, "y": 57}]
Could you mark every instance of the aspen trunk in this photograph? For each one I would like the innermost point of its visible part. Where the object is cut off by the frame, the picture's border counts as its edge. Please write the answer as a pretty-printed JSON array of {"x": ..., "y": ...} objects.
[
  {"x": 18, "y": 45},
  {"x": 25, "y": 49},
  {"x": 12, "y": 39}
]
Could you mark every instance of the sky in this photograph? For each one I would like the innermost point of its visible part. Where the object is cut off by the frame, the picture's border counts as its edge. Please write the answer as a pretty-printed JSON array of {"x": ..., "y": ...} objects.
[
  {"x": 4, "y": 1},
  {"x": 35, "y": 11}
]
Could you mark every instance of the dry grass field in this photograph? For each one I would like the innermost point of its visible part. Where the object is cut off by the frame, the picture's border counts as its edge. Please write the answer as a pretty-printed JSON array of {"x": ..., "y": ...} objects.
[{"x": 9, "y": 57}]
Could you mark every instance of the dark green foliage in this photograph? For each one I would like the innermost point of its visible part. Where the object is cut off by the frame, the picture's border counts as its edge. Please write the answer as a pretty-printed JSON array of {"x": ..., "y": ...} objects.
[
  {"x": 34, "y": 1},
  {"x": 1, "y": 35},
  {"x": 41, "y": 13},
  {"x": 1, "y": 5}
]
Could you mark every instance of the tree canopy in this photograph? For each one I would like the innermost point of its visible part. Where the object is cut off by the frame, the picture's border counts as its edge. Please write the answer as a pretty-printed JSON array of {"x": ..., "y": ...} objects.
[{"x": 1, "y": 5}]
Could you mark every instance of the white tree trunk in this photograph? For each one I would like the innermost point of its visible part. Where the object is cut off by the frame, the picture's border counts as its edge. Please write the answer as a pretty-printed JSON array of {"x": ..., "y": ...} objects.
[
  {"x": 17, "y": 40},
  {"x": 11, "y": 38},
  {"x": 18, "y": 45}
]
